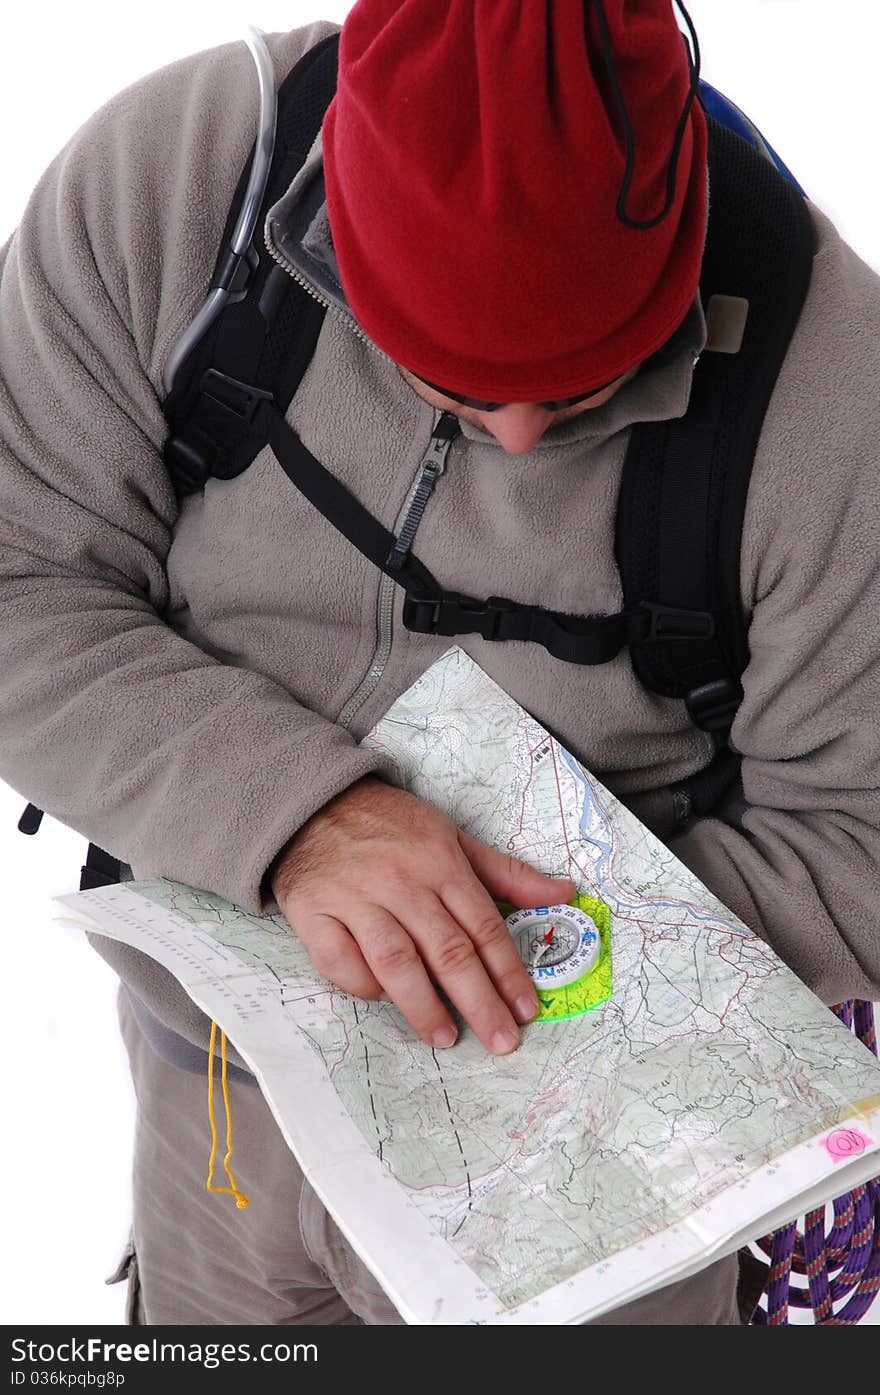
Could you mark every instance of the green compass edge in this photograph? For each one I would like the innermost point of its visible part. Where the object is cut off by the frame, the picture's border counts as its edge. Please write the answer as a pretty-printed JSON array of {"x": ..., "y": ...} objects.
[{"x": 595, "y": 988}]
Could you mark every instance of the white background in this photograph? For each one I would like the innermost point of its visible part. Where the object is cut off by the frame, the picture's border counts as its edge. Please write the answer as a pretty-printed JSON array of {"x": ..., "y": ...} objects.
[{"x": 806, "y": 73}]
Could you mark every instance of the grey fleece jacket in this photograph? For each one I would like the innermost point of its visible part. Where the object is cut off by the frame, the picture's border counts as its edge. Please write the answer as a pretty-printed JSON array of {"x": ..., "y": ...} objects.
[{"x": 171, "y": 682}]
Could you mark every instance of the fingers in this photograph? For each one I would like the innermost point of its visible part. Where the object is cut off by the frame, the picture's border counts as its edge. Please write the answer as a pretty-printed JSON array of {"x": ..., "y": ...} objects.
[
  {"x": 336, "y": 955},
  {"x": 422, "y": 926},
  {"x": 455, "y": 955},
  {"x": 471, "y": 906},
  {"x": 375, "y": 950},
  {"x": 369, "y": 951},
  {"x": 512, "y": 880}
]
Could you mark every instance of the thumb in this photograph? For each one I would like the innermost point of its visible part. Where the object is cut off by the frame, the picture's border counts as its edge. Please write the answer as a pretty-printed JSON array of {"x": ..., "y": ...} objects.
[{"x": 509, "y": 879}]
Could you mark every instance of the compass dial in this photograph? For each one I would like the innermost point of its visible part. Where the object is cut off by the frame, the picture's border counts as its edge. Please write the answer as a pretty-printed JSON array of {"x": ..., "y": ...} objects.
[
  {"x": 547, "y": 944},
  {"x": 557, "y": 944}
]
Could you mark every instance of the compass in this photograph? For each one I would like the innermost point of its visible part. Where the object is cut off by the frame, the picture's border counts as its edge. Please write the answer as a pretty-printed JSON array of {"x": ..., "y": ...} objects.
[{"x": 560, "y": 946}]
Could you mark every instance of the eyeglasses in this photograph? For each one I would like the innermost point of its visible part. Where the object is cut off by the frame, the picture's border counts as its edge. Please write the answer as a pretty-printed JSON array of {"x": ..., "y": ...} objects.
[
  {"x": 557, "y": 404},
  {"x": 682, "y": 336}
]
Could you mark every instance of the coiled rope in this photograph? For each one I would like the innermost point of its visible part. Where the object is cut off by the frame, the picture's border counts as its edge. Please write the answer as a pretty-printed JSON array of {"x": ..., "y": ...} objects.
[{"x": 844, "y": 1262}]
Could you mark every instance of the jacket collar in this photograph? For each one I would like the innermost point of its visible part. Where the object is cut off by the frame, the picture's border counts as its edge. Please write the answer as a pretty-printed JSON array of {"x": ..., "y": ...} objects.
[
  {"x": 297, "y": 230},
  {"x": 297, "y": 227}
]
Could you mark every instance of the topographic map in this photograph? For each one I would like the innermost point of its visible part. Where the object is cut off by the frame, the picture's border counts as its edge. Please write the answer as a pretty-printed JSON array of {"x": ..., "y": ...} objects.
[{"x": 612, "y": 1152}]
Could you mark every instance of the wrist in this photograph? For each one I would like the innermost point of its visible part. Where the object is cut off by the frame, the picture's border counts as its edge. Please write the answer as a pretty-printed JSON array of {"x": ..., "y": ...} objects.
[{"x": 270, "y": 884}]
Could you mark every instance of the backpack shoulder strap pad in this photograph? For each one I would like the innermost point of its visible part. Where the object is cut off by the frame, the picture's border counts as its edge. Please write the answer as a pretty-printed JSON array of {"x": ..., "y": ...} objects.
[
  {"x": 684, "y": 485},
  {"x": 255, "y": 353}
]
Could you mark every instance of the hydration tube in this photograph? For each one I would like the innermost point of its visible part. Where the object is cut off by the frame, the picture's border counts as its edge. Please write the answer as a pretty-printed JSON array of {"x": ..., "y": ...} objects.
[{"x": 240, "y": 247}]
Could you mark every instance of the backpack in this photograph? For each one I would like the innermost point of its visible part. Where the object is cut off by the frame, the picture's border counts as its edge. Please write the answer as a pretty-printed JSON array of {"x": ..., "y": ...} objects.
[{"x": 234, "y": 372}]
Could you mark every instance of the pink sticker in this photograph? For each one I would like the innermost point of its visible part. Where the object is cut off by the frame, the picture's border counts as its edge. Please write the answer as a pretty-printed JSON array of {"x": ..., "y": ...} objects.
[{"x": 846, "y": 1143}]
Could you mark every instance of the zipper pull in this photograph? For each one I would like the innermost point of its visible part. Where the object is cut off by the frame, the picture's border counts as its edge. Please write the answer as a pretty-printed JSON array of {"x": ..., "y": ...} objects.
[
  {"x": 446, "y": 428},
  {"x": 431, "y": 467}
]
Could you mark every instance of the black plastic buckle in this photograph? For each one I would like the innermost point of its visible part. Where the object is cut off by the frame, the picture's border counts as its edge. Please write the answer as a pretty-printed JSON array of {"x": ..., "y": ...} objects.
[
  {"x": 486, "y": 616},
  {"x": 242, "y": 399},
  {"x": 420, "y": 615},
  {"x": 668, "y": 623},
  {"x": 446, "y": 615},
  {"x": 713, "y": 706}
]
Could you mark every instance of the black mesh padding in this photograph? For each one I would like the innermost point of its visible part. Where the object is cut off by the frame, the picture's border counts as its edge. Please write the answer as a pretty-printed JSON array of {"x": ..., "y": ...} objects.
[
  {"x": 304, "y": 110},
  {"x": 280, "y": 335}
]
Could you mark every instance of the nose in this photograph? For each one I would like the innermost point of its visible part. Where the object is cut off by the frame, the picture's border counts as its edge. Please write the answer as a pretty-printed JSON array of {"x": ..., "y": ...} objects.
[{"x": 517, "y": 426}]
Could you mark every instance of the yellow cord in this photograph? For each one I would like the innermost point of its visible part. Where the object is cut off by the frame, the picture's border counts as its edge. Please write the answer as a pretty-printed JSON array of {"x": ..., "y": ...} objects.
[{"x": 240, "y": 1199}]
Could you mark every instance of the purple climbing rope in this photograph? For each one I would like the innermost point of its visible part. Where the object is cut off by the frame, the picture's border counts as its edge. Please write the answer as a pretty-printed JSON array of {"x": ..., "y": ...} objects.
[{"x": 852, "y": 1246}]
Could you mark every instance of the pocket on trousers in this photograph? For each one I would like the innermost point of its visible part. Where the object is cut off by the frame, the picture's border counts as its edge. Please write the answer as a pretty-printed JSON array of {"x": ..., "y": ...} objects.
[
  {"x": 328, "y": 1248},
  {"x": 314, "y": 1224},
  {"x": 126, "y": 1272}
]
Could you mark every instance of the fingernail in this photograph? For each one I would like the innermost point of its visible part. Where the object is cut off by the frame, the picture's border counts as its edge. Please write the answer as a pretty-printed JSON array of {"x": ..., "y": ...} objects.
[
  {"x": 504, "y": 1041},
  {"x": 526, "y": 1007},
  {"x": 444, "y": 1036}
]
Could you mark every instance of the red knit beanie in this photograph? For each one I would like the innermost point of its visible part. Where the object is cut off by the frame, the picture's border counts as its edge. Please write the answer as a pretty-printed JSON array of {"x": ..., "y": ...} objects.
[{"x": 475, "y": 157}]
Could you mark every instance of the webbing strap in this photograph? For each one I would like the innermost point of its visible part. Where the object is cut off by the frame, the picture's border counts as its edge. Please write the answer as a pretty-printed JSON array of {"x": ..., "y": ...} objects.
[
  {"x": 429, "y": 609},
  {"x": 684, "y": 486},
  {"x": 338, "y": 505},
  {"x": 576, "y": 639},
  {"x": 100, "y": 869}
]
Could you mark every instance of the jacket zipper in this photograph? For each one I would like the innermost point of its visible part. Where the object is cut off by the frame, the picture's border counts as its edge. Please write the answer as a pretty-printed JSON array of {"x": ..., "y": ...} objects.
[
  {"x": 431, "y": 467},
  {"x": 330, "y": 305}
]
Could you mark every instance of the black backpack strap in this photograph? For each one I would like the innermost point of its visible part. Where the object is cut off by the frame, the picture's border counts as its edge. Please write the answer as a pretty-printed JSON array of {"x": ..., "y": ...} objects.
[
  {"x": 684, "y": 485},
  {"x": 100, "y": 869},
  {"x": 255, "y": 353},
  {"x": 30, "y": 820},
  {"x": 428, "y": 608}
]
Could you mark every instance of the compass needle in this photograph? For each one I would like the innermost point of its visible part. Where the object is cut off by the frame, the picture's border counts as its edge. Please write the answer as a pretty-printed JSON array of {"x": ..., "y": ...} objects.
[{"x": 559, "y": 953}]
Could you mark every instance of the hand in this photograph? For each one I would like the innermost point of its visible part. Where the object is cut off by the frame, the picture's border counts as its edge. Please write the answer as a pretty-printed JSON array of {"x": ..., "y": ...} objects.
[{"x": 390, "y": 897}]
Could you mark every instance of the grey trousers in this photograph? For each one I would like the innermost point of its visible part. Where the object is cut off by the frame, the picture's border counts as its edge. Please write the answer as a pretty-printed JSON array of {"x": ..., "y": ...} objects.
[{"x": 282, "y": 1261}]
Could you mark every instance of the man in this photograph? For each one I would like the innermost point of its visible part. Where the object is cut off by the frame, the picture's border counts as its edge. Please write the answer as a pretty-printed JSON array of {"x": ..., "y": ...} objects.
[{"x": 186, "y": 685}]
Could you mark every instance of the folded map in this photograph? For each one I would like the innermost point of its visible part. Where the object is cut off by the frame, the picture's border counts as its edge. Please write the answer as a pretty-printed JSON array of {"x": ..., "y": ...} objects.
[{"x": 710, "y": 1099}]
